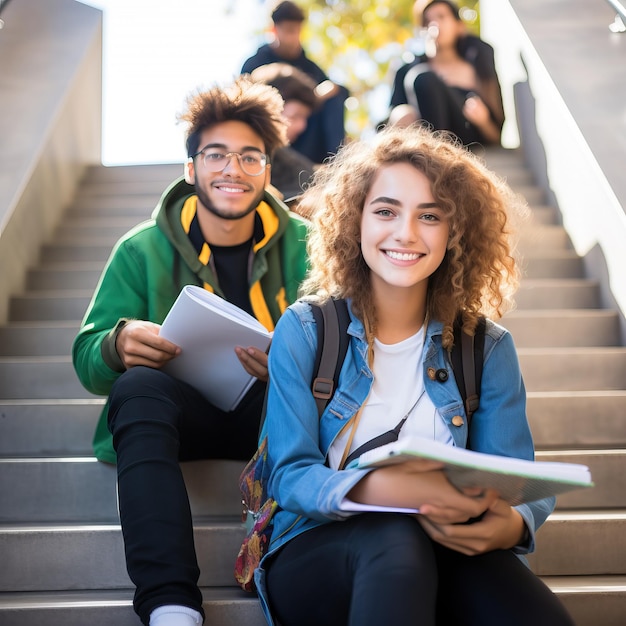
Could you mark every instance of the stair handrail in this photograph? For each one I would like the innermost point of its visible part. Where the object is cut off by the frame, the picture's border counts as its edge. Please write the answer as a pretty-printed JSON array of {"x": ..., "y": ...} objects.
[
  {"x": 3, "y": 4},
  {"x": 619, "y": 25}
]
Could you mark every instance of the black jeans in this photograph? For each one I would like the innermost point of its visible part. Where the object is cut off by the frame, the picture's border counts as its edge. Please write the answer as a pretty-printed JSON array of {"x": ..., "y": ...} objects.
[
  {"x": 382, "y": 568},
  {"x": 157, "y": 421}
]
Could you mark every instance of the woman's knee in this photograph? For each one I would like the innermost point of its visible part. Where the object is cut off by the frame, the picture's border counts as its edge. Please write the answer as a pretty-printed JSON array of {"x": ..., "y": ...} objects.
[{"x": 397, "y": 540}]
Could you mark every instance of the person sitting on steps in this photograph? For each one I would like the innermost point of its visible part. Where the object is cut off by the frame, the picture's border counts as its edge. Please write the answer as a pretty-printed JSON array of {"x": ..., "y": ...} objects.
[
  {"x": 415, "y": 233},
  {"x": 218, "y": 228}
]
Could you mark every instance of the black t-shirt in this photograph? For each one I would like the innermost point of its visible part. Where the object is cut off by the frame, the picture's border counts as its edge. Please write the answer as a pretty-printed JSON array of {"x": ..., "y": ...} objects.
[{"x": 231, "y": 266}]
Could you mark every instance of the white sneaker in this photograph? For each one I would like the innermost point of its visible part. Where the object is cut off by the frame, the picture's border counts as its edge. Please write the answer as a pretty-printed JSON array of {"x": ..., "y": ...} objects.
[{"x": 175, "y": 615}]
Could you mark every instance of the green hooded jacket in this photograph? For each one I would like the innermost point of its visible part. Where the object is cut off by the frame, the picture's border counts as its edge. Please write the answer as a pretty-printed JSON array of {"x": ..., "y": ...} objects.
[{"x": 151, "y": 264}]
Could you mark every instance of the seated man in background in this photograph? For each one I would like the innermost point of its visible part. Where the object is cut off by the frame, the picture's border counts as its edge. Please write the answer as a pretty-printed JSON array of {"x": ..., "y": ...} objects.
[
  {"x": 325, "y": 131},
  {"x": 290, "y": 169}
]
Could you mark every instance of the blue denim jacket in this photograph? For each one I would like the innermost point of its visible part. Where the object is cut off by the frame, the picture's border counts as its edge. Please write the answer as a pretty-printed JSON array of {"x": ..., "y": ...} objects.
[{"x": 307, "y": 491}]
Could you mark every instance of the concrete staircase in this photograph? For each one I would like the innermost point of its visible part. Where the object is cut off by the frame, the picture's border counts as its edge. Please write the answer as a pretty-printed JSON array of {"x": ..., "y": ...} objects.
[{"x": 60, "y": 540}]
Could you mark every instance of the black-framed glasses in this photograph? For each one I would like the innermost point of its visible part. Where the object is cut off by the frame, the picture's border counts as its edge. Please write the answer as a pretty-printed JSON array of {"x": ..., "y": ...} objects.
[{"x": 252, "y": 162}]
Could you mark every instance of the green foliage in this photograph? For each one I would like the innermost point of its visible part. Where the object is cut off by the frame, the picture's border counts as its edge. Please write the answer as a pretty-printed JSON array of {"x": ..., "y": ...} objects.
[{"x": 360, "y": 44}]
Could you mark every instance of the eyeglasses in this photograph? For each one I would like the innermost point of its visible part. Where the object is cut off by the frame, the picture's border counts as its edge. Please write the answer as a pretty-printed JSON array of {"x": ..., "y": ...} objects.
[{"x": 251, "y": 162}]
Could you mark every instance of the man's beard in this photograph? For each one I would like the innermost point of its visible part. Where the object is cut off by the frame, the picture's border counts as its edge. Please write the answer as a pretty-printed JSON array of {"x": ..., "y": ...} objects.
[{"x": 227, "y": 215}]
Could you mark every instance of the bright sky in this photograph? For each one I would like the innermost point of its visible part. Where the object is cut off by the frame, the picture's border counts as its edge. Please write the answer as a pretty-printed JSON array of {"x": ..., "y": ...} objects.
[{"x": 155, "y": 52}]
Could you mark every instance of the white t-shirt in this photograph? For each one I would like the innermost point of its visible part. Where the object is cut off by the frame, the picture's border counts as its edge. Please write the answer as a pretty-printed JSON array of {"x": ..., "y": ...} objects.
[{"x": 398, "y": 384}]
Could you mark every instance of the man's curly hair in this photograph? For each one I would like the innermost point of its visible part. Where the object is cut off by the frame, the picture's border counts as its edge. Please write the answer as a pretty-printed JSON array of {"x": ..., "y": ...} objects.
[
  {"x": 256, "y": 104},
  {"x": 478, "y": 275}
]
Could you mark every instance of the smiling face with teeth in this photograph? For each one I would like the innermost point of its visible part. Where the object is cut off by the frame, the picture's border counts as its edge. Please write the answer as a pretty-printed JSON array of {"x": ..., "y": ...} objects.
[
  {"x": 230, "y": 195},
  {"x": 404, "y": 233}
]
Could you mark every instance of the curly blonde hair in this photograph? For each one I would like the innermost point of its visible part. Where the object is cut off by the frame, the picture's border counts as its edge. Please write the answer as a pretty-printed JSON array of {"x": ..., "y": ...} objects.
[{"x": 479, "y": 273}]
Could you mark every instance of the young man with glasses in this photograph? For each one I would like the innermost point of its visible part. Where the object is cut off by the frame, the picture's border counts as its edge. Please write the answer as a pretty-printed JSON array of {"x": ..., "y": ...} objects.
[{"x": 220, "y": 228}]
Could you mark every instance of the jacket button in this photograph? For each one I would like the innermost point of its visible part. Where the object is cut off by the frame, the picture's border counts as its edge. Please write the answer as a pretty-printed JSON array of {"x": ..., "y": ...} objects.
[
  {"x": 457, "y": 420},
  {"x": 441, "y": 375},
  {"x": 431, "y": 372}
]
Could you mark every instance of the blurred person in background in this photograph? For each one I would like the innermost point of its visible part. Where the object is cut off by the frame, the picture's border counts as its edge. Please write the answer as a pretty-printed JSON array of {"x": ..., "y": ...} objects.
[
  {"x": 452, "y": 86},
  {"x": 325, "y": 131},
  {"x": 291, "y": 169}
]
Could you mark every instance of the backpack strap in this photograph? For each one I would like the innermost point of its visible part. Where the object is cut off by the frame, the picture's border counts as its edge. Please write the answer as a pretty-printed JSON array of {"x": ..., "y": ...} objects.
[
  {"x": 467, "y": 363},
  {"x": 332, "y": 320}
]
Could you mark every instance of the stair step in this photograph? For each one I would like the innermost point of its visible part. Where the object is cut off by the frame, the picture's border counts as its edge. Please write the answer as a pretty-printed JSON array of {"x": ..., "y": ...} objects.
[
  {"x": 552, "y": 264},
  {"x": 87, "y": 227},
  {"x": 138, "y": 207},
  {"x": 48, "y": 428},
  {"x": 559, "y": 419},
  {"x": 539, "y": 237},
  {"x": 563, "y": 419},
  {"x": 515, "y": 176},
  {"x": 533, "y": 194},
  {"x": 544, "y": 214},
  {"x": 226, "y": 606},
  {"x": 82, "y": 489},
  {"x": 588, "y": 597},
  {"x": 558, "y": 294},
  {"x": 65, "y": 275},
  {"x": 499, "y": 159},
  {"x": 50, "y": 305},
  {"x": 577, "y": 419},
  {"x": 576, "y": 369},
  {"x": 581, "y": 543},
  {"x": 609, "y": 490},
  {"x": 77, "y": 252},
  {"x": 563, "y": 327},
  {"x": 44, "y": 377},
  {"x": 37, "y": 338},
  {"x": 157, "y": 174},
  {"x": 122, "y": 188},
  {"x": 544, "y": 369},
  {"x": 74, "y": 557}
]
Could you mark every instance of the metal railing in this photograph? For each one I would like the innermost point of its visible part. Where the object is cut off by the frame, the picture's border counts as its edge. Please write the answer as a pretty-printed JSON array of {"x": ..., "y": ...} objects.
[
  {"x": 2, "y": 5},
  {"x": 619, "y": 24}
]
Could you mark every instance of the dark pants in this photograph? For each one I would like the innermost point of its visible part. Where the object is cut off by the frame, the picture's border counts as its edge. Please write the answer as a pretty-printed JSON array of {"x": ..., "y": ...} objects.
[
  {"x": 442, "y": 107},
  {"x": 157, "y": 421},
  {"x": 376, "y": 569}
]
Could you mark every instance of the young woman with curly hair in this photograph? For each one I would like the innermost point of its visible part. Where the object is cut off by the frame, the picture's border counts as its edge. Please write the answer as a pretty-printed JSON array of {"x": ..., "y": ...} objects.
[{"x": 414, "y": 232}]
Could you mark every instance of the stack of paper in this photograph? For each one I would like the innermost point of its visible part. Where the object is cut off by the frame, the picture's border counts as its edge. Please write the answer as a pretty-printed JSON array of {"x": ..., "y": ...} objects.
[
  {"x": 516, "y": 480},
  {"x": 207, "y": 328}
]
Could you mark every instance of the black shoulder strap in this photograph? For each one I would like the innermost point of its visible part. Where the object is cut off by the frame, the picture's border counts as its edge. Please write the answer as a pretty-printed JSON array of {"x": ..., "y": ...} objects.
[
  {"x": 467, "y": 364},
  {"x": 332, "y": 320}
]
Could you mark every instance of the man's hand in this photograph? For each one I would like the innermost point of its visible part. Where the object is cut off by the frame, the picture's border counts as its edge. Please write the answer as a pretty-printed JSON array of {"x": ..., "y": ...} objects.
[
  {"x": 139, "y": 343},
  {"x": 500, "y": 528},
  {"x": 254, "y": 361}
]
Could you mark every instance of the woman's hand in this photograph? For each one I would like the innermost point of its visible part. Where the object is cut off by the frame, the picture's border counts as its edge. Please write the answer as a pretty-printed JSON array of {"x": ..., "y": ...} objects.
[
  {"x": 421, "y": 484},
  {"x": 477, "y": 112},
  {"x": 500, "y": 528}
]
